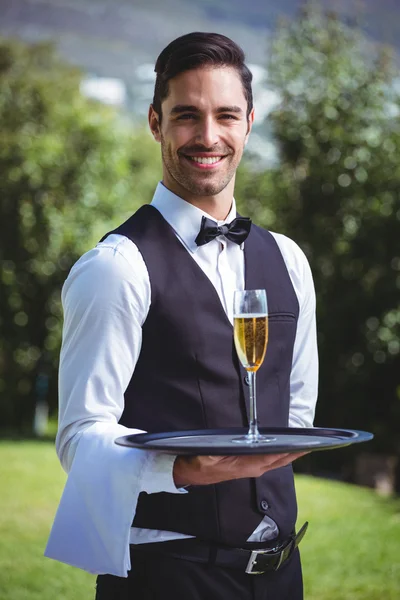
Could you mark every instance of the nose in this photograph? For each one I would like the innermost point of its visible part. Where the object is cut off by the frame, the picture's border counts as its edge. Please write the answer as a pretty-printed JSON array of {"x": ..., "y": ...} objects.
[{"x": 207, "y": 133}]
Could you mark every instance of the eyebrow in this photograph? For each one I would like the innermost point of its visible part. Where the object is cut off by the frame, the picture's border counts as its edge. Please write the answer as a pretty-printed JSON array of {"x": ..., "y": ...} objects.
[
  {"x": 232, "y": 109},
  {"x": 180, "y": 108}
]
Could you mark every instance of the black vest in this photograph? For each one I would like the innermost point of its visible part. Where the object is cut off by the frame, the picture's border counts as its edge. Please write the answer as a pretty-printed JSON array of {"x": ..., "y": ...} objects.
[{"x": 188, "y": 377}]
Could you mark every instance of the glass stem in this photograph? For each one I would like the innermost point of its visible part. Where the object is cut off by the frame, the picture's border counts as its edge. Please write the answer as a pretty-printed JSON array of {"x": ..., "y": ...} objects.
[{"x": 253, "y": 429}]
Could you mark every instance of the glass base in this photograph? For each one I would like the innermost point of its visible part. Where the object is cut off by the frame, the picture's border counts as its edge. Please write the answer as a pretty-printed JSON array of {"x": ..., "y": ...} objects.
[{"x": 254, "y": 439}]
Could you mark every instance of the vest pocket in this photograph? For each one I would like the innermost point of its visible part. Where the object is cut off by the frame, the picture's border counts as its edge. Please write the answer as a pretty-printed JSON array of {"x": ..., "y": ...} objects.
[{"x": 281, "y": 316}]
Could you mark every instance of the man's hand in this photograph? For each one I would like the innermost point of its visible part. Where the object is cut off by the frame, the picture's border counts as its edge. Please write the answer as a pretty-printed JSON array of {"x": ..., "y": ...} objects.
[{"x": 205, "y": 470}]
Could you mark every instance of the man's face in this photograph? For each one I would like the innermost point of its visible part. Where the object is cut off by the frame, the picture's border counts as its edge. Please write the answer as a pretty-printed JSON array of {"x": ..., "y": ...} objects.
[{"x": 204, "y": 129}]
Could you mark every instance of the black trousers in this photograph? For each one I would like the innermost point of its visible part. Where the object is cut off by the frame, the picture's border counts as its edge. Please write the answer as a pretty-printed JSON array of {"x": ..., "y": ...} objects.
[{"x": 159, "y": 577}]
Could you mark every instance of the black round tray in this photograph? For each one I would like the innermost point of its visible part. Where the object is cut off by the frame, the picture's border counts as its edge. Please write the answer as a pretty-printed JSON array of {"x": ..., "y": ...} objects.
[{"x": 220, "y": 441}]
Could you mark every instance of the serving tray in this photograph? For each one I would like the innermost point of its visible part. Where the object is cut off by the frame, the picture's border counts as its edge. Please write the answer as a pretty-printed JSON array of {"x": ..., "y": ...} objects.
[{"x": 221, "y": 442}]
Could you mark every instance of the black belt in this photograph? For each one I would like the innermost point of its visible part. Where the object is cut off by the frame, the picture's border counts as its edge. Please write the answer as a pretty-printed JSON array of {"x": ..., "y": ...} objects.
[{"x": 253, "y": 562}]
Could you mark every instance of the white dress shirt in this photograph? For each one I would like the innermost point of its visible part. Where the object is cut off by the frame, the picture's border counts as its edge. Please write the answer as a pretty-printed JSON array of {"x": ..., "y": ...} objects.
[{"x": 106, "y": 299}]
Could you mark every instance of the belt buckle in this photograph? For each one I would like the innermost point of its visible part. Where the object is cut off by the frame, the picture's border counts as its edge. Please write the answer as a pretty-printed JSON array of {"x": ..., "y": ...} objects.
[
  {"x": 284, "y": 552},
  {"x": 253, "y": 559}
]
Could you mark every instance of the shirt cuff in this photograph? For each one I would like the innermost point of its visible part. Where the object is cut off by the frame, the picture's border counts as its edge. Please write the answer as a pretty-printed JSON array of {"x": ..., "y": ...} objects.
[{"x": 158, "y": 474}]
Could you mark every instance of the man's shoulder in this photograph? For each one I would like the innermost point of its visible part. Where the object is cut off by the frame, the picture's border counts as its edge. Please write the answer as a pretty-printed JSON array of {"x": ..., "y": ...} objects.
[
  {"x": 294, "y": 257},
  {"x": 117, "y": 244},
  {"x": 286, "y": 244},
  {"x": 114, "y": 258}
]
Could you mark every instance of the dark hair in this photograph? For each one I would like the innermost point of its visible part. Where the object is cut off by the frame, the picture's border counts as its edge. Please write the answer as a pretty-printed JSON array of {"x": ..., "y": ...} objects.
[{"x": 195, "y": 50}]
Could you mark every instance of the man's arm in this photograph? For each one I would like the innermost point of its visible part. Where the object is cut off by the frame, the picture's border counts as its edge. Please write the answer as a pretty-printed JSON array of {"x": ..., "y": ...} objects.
[
  {"x": 106, "y": 300},
  {"x": 304, "y": 373},
  {"x": 205, "y": 470}
]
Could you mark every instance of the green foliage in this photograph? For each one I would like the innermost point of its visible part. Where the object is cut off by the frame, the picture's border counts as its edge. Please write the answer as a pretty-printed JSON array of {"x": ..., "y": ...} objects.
[
  {"x": 337, "y": 193},
  {"x": 70, "y": 170}
]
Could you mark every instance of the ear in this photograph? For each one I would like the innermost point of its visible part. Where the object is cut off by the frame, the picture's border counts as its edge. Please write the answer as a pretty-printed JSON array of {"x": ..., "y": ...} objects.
[
  {"x": 154, "y": 123},
  {"x": 250, "y": 122}
]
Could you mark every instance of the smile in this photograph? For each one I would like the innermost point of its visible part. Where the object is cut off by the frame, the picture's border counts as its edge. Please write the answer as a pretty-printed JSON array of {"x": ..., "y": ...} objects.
[{"x": 204, "y": 162}]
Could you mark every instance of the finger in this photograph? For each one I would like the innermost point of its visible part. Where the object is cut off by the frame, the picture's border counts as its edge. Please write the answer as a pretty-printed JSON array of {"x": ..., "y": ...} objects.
[{"x": 286, "y": 460}]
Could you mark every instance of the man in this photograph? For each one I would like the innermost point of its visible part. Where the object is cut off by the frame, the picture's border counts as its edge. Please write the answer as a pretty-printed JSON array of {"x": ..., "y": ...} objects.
[{"x": 148, "y": 345}]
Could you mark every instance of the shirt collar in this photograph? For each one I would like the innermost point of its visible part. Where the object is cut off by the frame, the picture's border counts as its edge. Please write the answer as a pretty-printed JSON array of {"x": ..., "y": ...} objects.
[{"x": 182, "y": 216}]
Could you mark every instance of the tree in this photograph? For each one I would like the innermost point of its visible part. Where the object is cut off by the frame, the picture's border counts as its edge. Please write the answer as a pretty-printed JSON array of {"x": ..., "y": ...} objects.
[
  {"x": 70, "y": 170},
  {"x": 337, "y": 193}
]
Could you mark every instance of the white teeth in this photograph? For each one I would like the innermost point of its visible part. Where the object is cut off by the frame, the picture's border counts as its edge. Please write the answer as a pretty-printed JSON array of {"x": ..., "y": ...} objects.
[{"x": 206, "y": 160}]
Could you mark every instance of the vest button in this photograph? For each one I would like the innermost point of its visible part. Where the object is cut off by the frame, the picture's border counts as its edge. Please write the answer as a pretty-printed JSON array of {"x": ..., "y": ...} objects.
[
  {"x": 264, "y": 505},
  {"x": 246, "y": 380}
]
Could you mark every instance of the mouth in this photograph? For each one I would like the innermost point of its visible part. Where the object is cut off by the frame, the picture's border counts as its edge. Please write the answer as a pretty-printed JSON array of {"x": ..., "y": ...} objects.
[{"x": 204, "y": 161}]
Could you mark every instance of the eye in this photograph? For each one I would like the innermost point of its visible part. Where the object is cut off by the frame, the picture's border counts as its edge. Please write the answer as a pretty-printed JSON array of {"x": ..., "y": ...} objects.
[
  {"x": 186, "y": 117},
  {"x": 228, "y": 117}
]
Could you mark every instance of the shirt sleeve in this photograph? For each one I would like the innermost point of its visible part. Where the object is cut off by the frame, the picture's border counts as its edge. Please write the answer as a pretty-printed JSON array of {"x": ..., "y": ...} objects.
[
  {"x": 106, "y": 299},
  {"x": 304, "y": 373}
]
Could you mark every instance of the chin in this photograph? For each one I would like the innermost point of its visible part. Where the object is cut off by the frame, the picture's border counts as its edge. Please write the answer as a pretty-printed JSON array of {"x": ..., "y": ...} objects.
[{"x": 206, "y": 190}]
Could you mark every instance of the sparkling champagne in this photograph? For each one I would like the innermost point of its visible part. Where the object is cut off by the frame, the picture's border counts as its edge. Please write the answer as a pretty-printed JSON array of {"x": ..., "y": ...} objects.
[{"x": 251, "y": 337}]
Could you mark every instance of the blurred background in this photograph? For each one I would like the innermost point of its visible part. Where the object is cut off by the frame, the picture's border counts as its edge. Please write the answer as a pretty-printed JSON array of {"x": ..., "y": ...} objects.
[{"x": 76, "y": 159}]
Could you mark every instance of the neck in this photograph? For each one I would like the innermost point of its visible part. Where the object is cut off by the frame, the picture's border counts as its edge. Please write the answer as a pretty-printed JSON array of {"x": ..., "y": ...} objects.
[{"x": 217, "y": 206}]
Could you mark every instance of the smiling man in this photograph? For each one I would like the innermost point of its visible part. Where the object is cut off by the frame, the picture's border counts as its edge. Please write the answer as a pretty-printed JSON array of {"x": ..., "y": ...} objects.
[
  {"x": 148, "y": 345},
  {"x": 202, "y": 135}
]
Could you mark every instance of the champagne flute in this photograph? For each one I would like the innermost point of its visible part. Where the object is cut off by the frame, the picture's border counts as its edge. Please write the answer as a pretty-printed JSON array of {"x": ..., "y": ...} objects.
[{"x": 250, "y": 313}]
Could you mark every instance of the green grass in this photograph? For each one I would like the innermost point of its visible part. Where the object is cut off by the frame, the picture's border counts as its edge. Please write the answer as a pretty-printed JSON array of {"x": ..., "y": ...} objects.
[
  {"x": 31, "y": 485},
  {"x": 351, "y": 551},
  {"x": 352, "y": 548}
]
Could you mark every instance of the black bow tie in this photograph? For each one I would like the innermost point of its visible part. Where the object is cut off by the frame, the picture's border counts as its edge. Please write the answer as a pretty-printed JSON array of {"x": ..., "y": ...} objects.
[{"x": 236, "y": 231}]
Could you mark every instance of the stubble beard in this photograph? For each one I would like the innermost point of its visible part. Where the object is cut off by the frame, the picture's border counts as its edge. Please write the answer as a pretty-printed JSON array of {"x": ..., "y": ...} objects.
[{"x": 206, "y": 183}]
